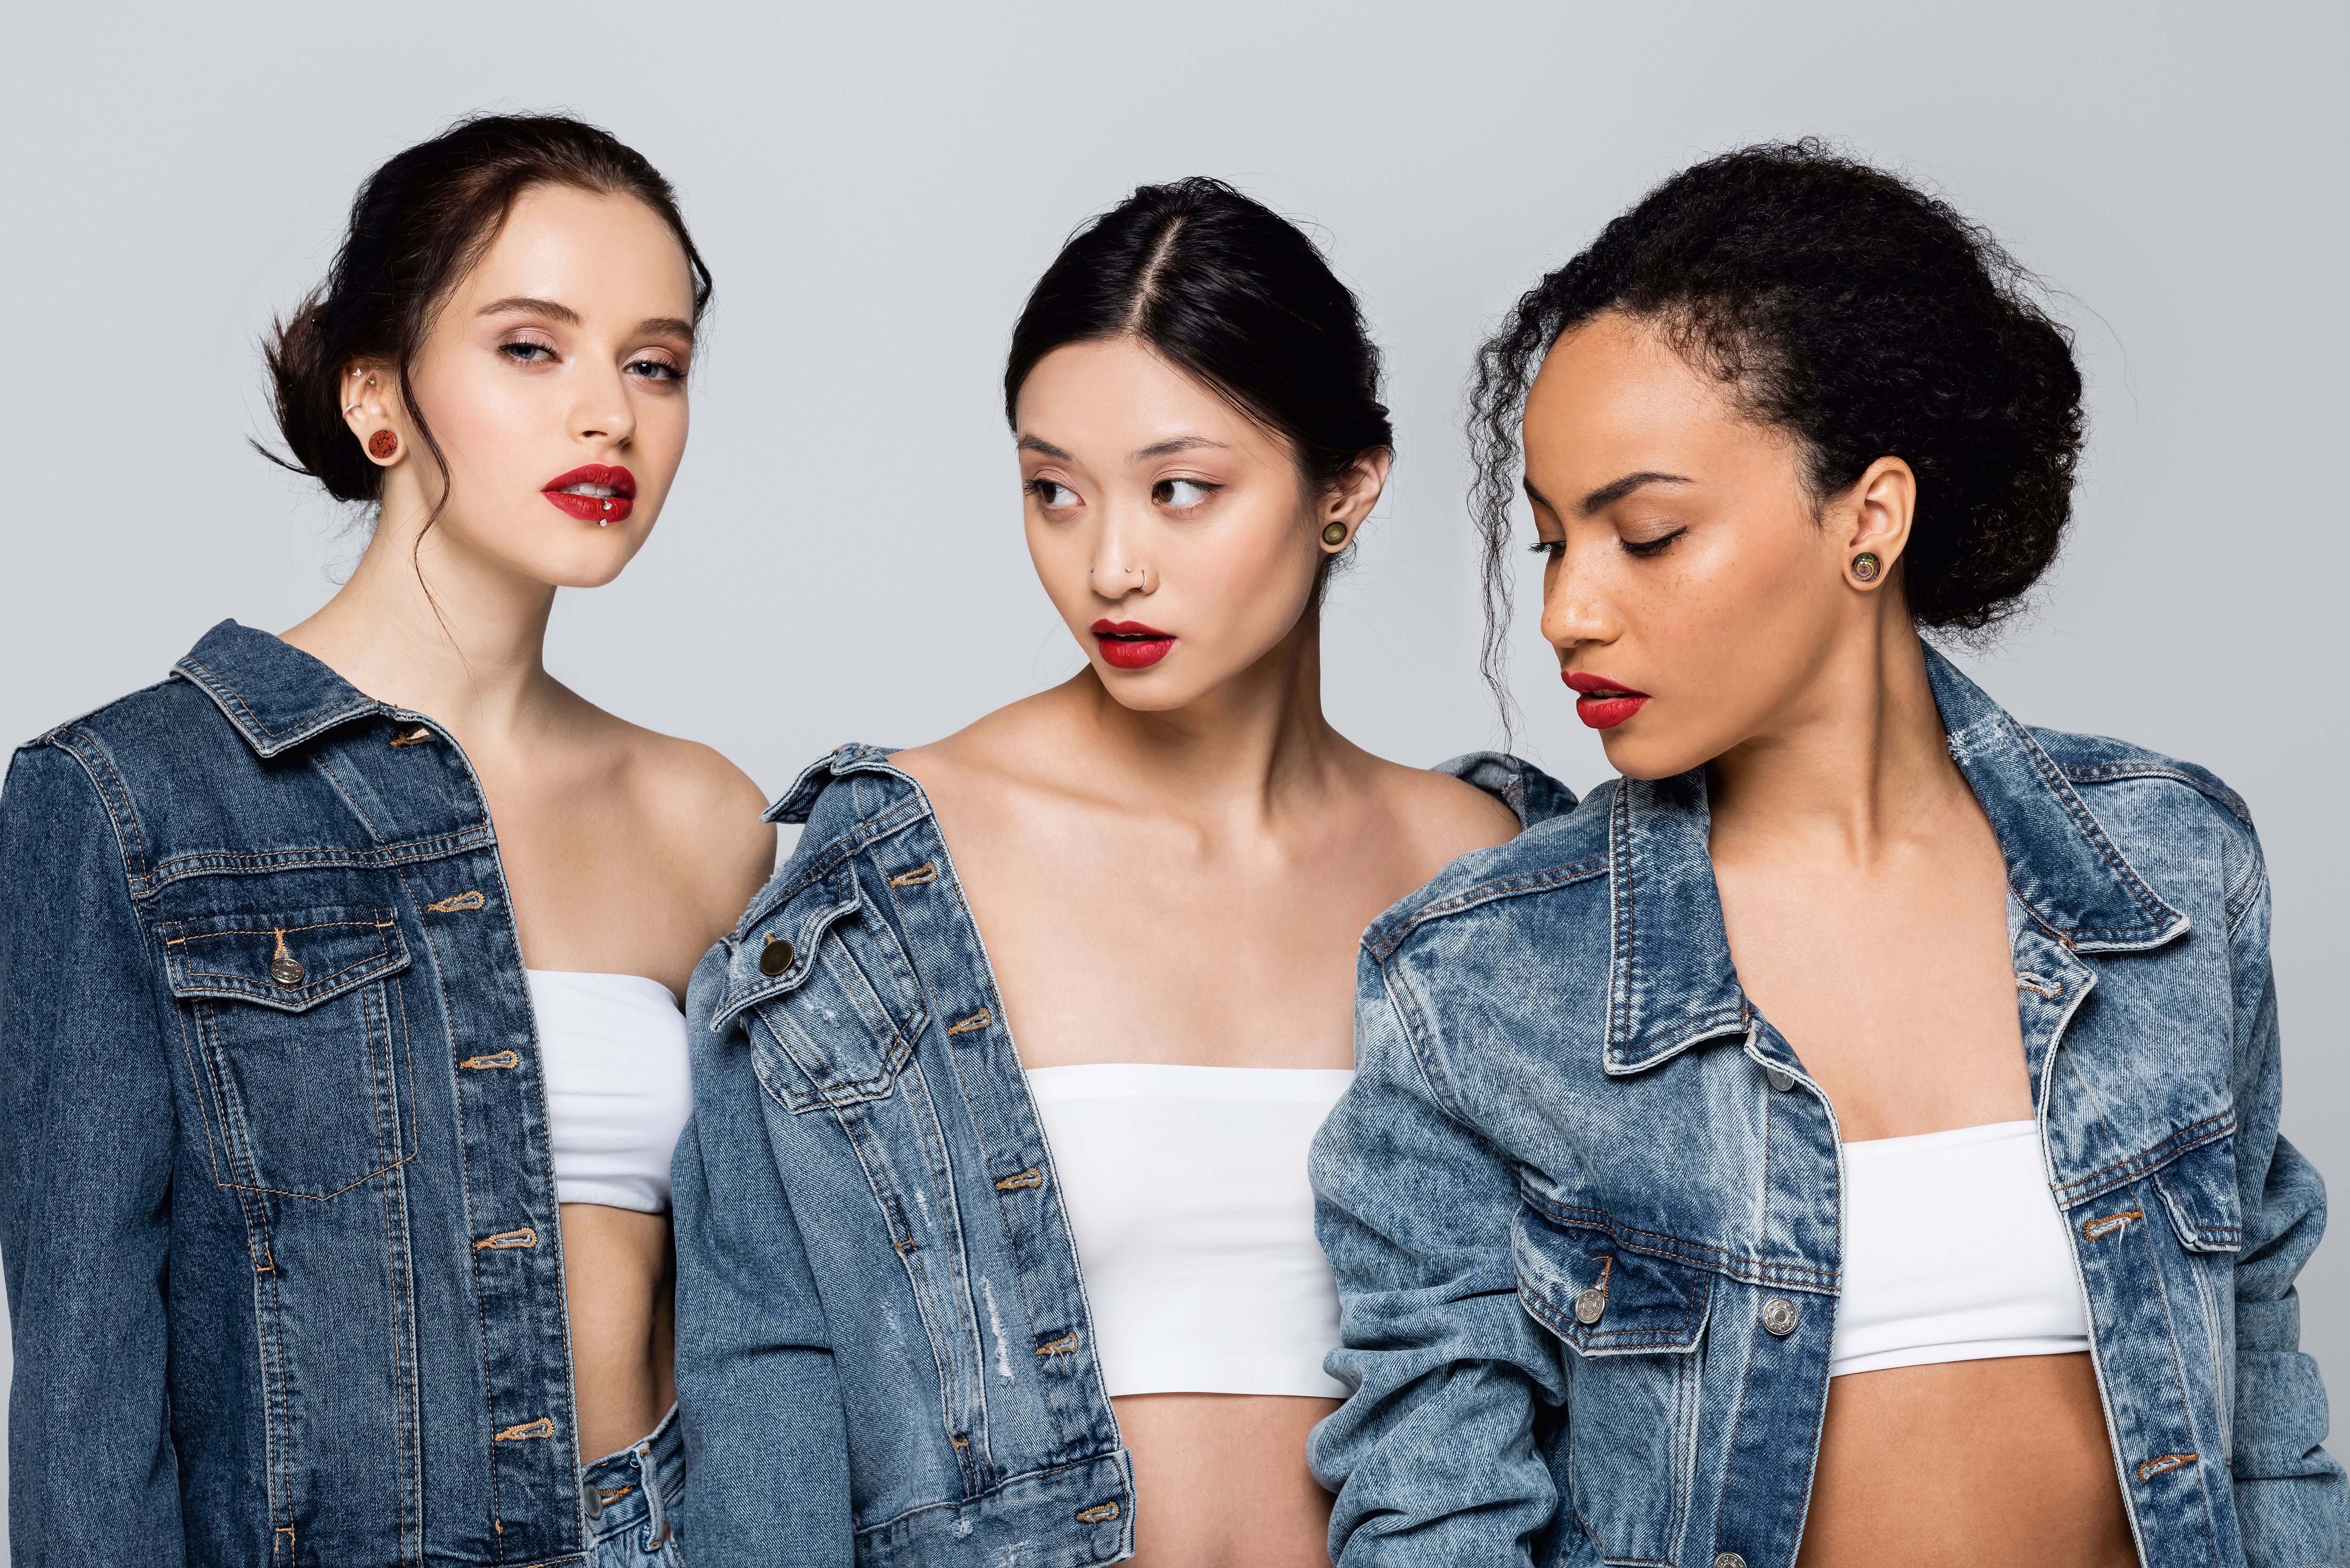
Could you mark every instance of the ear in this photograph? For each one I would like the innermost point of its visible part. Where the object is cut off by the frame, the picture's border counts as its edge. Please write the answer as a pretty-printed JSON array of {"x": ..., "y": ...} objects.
[
  {"x": 1875, "y": 517},
  {"x": 1349, "y": 499},
  {"x": 371, "y": 407}
]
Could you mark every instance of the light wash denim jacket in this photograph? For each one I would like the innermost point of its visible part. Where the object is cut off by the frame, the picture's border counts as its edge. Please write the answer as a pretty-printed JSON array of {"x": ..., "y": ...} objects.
[
  {"x": 885, "y": 1355},
  {"x": 1561, "y": 1089},
  {"x": 276, "y": 1204}
]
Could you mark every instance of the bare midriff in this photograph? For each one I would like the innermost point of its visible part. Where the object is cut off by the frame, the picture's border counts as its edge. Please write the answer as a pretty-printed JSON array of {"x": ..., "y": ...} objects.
[
  {"x": 618, "y": 1273},
  {"x": 1220, "y": 1480},
  {"x": 2001, "y": 1463}
]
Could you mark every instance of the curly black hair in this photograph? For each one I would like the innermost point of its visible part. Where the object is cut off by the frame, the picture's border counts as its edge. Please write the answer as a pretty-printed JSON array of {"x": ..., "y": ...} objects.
[{"x": 1863, "y": 317}]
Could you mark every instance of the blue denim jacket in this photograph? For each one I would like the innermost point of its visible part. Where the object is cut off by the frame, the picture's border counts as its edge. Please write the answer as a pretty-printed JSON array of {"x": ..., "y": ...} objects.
[
  {"x": 1561, "y": 1087},
  {"x": 884, "y": 1350},
  {"x": 276, "y": 1202}
]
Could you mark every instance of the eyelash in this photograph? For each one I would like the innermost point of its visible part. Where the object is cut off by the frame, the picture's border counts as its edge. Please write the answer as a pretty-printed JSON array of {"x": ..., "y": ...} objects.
[
  {"x": 1555, "y": 548},
  {"x": 516, "y": 351}
]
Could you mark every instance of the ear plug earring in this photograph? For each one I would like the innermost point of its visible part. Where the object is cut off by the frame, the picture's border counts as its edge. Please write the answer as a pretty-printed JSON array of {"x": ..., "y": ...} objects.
[
  {"x": 1865, "y": 566},
  {"x": 382, "y": 444},
  {"x": 1334, "y": 534}
]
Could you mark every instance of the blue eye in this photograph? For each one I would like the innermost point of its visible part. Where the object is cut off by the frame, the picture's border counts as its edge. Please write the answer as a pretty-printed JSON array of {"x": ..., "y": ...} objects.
[
  {"x": 656, "y": 371},
  {"x": 526, "y": 353}
]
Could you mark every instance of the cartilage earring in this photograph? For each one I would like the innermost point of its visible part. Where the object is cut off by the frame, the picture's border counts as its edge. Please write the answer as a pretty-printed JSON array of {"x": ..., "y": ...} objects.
[
  {"x": 1334, "y": 534},
  {"x": 1865, "y": 566},
  {"x": 381, "y": 445}
]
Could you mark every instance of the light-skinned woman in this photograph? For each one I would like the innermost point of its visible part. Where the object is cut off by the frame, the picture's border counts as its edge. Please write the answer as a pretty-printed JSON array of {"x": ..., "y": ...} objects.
[
  {"x": 937, "y": 1287},
  {"x": 379, "y": 931}
]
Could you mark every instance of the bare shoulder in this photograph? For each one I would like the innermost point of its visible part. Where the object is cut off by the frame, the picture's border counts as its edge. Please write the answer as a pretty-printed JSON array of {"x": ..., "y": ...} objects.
[
  {"x": 706, "y": 810},
  {"x": 1002, "y": 749},
  {"x": 1442, "y": 817}
]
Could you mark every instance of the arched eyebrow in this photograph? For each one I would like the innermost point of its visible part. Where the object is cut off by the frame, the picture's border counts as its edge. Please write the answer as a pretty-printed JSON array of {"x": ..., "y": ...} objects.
[
  {"x": 1616, "y": 490},
  {"x": 523, "y": 304},
  {"x": 1033, "y": 444},
  {"x": 1170, "y": 448}
]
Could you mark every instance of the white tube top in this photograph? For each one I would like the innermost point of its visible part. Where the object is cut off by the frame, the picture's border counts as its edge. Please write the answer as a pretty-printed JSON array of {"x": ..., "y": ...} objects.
[
  {"x": 1186, "y": 1188},
  {"x": 1954, "y": 1251},
  {"x": 612, "y": 1047}
]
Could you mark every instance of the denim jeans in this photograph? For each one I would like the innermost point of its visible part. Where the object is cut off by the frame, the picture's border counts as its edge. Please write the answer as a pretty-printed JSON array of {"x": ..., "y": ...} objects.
[{"x": 631, "y": 1496}]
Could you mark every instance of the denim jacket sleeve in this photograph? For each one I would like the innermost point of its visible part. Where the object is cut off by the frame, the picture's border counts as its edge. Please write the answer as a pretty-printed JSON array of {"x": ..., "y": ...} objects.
[
  {"x": 1433, "y": 1457},
  {"x": 86, "y": 1135},
  {"x": 2292, "y": 1500},
  {"x": 765, "y": 1436}
]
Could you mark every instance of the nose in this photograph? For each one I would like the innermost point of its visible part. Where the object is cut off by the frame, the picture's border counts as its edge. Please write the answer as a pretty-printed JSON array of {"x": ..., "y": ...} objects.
[
  {"x": 1115, "y": 571},
  {"x": 603, "y": 410},
  {"x": 1576, "y": 614}
]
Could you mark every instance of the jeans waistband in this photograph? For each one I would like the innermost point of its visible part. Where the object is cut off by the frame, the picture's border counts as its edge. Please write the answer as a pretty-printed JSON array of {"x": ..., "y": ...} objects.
[{"x": 637, "y": 1487}]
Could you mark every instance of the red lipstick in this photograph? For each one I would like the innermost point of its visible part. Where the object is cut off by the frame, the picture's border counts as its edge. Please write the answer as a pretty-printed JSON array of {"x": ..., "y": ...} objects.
[
  {"x": 594, "y": 492},
  {"x": 1129, "y": 644},
  {"x": 1601, "y": 702}
]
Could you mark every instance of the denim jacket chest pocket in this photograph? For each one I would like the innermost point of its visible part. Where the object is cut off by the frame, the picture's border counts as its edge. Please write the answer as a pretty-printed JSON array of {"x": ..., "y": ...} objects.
[
  {"x": 837, "y": 999},
  {"x": 294, "y": 1044},
  {"x": 1631, "y": 1323}
]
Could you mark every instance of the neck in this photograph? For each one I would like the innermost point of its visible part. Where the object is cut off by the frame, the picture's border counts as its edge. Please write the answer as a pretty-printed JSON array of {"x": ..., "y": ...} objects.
[
  {"x": 1860, "y": 764},
  {"x": 427, "y": 624},
  {"x": 1239, "y": 746}
]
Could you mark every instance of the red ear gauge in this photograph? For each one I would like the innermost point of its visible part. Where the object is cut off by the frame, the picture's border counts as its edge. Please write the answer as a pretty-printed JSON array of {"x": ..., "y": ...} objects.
[{"x": 382, "y": 444}]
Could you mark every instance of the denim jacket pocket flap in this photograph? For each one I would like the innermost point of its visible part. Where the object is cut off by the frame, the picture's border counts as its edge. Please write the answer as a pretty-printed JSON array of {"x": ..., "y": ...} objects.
[
  {"x": 290, "y": 962},
  {"x": 838, "y": 1018},
  {"x": 2200, "y": 1190},
  {"x": 1603, "y": 1298}
]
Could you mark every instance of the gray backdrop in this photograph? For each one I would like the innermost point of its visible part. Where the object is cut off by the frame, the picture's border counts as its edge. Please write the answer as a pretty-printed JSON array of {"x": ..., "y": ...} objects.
[{"x": 877, "y": 187}]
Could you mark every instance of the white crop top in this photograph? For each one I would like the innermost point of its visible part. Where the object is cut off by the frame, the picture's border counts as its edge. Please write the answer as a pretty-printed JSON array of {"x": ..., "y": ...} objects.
[
  {"x": 1954, "y": 1251},
  {"x": 1186, "y": 1188},
  {"x": 613, "y": 1049}
]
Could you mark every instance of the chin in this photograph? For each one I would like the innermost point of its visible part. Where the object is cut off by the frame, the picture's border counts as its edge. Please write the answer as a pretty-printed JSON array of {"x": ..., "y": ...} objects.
[{"x": 1645, "y": 757}]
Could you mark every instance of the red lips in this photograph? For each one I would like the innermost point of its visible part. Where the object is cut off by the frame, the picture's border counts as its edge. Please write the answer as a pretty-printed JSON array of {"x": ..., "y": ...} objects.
[
  {"x": 1129, "y": 644},
  {"x": 594, "y": 492},
  {"x": 1600, "y": 702}
]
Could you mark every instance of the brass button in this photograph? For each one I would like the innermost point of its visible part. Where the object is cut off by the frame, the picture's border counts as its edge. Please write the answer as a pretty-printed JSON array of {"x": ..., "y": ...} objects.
[
  {"x": 775, "y": 958},
  {"x": 286, "y": 969}
]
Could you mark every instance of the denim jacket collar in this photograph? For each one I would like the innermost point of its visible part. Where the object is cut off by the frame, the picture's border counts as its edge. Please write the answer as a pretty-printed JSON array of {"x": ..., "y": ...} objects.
[
  {"x": 274, "y": 694},
  {"x": 1671, "y": 981}
]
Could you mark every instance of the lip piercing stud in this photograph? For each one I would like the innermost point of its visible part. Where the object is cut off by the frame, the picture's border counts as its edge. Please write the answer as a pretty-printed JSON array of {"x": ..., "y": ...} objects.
[{"x": 1865, "y": 566}]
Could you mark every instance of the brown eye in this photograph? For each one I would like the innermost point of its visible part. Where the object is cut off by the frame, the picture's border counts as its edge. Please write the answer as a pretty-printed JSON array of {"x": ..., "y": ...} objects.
[{"x": 1181, "y": 494}]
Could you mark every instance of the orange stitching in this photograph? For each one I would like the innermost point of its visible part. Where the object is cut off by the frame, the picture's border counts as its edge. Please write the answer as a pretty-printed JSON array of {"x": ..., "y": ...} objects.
[
  {"x": 607, "y": 1498},
  {"x": 504, "y": 1240},
  {"x": 979, "y": 1019},
  {"x": 2097, "y": 1228},
  {"x": 1032, "y": 1177},
  {"x": 2166, "y": 1463},
  {"x": 542, "y": 1427},
  {"x": 1065, "y": 1346},
  {"x": 419, "y": 736},
  {"x": 928, "y": 871},
  {"x": 503, "y": 1059},
  {"x": 275, "y": 930},
  {"x": 465, "y": 900},
  {"x": 1098, "y": 1514}
]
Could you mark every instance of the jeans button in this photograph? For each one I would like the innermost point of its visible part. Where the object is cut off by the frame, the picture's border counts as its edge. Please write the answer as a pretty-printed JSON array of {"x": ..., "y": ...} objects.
[
  {"x": 1783, "y": 1082},
  {"x": 775, "y": 958},
  {"x": 1590, "y": 1305},
  {"x": 595, "y": 1501},
  {"x": 1779, "y": 1316},
  {"x": 1729, "y": 1560}
]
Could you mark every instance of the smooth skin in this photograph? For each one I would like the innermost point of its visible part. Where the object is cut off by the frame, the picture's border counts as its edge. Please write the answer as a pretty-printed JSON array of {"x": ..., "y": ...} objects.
[
  {"x": 625, "y": 851},
  {"x": 1176, "y": 865},
  {"x": 1865, "y": 892}
]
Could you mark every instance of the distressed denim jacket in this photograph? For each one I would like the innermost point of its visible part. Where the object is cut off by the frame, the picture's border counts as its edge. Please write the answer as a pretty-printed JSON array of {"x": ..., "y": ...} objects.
[
  {"x": 1564, "y": 1103},
  {"x": 884, "y": 1350},
  {"x": 276, "y": 1202}
]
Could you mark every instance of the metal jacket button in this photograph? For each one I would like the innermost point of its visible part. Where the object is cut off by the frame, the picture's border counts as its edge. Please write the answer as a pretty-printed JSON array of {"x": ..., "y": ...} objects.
[
  {"x": 286, "y": 969},
  {"x": 775, "y": 958},
  {"x": 1729, "y": 1560},
  {"x": 1590, "y": 1305},
  {"x": 1780, "y": 1081},
  {"x": 1779, "y": 1316}
]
